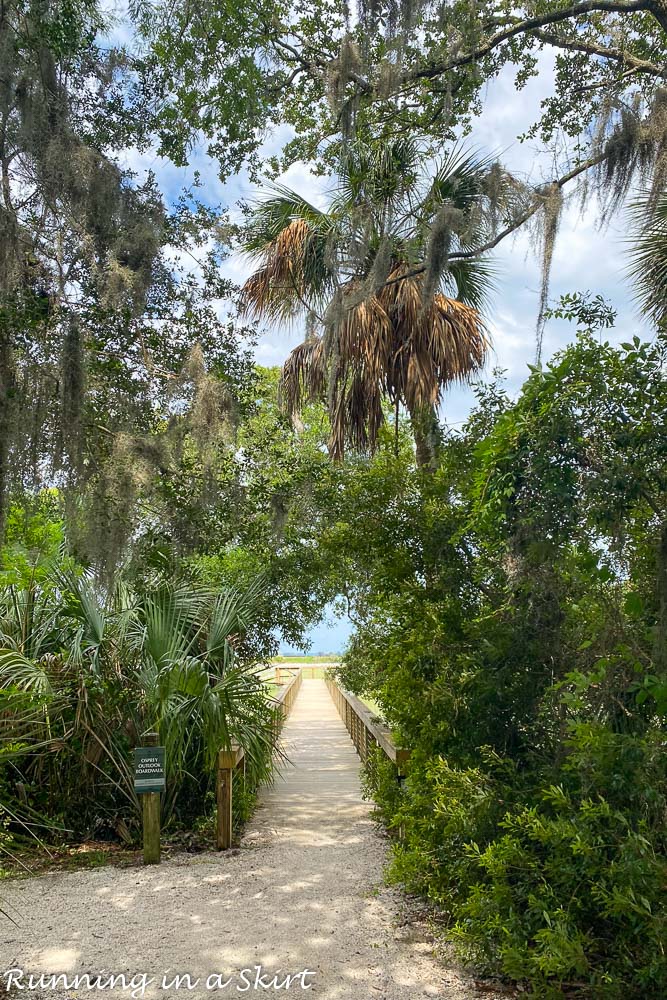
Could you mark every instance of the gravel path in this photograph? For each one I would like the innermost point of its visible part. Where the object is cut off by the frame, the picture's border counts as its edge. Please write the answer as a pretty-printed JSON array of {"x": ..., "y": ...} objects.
[{"x": 305, "y": 892}]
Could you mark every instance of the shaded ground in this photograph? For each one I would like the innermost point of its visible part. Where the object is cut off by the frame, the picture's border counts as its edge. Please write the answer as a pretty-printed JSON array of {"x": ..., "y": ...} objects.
[{"x": 304, "y": 892}]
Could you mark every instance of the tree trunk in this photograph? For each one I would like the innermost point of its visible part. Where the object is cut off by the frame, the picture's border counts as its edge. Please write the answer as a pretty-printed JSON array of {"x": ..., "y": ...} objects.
[
  {"x": 428, "y": 437},
  {"x": 660, "y": 640},
  {"x": 6, "y": 419}
]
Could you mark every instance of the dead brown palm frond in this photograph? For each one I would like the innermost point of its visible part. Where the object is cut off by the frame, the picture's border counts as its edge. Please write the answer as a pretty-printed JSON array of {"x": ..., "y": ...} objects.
[
  {"x": 364, "y": 331},
  {"x": 304, "y": 375},
  {"x": 291, "y": 241},
  {"x": 363, "y": 348},
  {"x": 355, "y": 410},
  {"x": 462, "y": 331},
  {"x": 434, "y": 346},
  {"x": 390, "y": 346},
  {"x": 346, "y": 367},
  {"x": 276, "y": 290}
]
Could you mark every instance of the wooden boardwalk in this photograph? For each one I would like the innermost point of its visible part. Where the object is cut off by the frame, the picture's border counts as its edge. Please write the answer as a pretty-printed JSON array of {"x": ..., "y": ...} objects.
[
  {"x": 305, "y": 891},
  {"x": 316, "y": 798}
]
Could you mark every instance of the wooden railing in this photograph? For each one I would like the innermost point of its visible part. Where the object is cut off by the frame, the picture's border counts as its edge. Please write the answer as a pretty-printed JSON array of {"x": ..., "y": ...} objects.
[
  {"x": 365, "y": 729},
  {"x": 285, "y": 698},
  {"x": 311, "y": 671}
]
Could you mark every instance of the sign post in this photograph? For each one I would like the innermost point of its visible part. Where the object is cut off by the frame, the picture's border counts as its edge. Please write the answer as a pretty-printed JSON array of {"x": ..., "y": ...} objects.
[{"x": 149, "y": 781}]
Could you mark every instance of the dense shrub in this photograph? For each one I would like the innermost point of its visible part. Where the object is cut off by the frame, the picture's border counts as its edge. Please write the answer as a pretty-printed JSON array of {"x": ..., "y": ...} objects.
[
  {"x": 85, "y": 673},
  {"x": 514, "y": 635}
]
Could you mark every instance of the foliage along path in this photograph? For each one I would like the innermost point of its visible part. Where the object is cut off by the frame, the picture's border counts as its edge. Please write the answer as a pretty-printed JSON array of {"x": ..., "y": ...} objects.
[{"x": 304, "y": 892}]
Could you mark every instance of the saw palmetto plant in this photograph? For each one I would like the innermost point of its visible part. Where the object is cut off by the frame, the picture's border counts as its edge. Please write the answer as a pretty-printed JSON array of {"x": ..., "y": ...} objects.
[
  {"x": 390, "y": 281},
  {"x": 83, "y": 677}
]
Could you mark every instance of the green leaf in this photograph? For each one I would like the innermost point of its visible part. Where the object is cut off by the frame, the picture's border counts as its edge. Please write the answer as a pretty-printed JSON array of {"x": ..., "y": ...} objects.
[{"x": 633, "y": 604}]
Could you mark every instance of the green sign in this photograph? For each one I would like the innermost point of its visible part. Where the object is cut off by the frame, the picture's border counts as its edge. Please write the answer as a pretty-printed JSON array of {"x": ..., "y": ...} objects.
[{"x": 149, "y": 770}]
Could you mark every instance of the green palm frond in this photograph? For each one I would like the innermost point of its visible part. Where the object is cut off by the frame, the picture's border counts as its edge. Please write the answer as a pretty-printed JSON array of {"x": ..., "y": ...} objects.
[
  {"x": 84, "y": 604},
  {"x": 231, "y": 614},
  {"x": 18, "y": 671},
  {"x": 375, "y": 174},
  {"x": 473, "y": 281},
  {"x": 458, "y": 180},
  {"x": 172, "y": 620},
  {"x": 273, "y": 213},
  {"x": 29, "y": 620},
  {"x": 168, "y": 659},
  {"x": 648, "y": 256}
]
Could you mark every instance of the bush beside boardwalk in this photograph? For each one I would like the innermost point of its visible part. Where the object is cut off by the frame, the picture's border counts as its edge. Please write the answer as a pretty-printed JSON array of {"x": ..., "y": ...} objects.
[{"x": 514, "y": 638}]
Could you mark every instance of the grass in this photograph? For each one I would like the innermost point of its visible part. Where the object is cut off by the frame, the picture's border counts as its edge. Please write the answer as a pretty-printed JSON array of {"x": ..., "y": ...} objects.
[
  {"x": 331, "y": 658},
  {"x": 311, "y": 673},
  {"x": 373, "y": 705},
  {"x": 29, "y": 860},
  {"x": 91, "y": 854}
]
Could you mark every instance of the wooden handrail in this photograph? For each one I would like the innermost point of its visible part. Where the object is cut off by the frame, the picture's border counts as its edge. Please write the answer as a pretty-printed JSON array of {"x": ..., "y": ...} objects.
[
  {"x": 364, "y": 728},
  {"x": 308, "y": 670},
  {"x": 285, "y": 698}
]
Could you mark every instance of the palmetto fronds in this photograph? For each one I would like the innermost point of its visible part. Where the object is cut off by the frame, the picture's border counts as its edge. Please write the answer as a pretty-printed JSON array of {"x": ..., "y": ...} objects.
[
  {"x": 291, "y": 240},
  {"x": 648, "y": 256},
  {"x": 373, "y": 273},
  {"x": 18, "y": 671},
  {"x": 103, "y": 671},
  {"x": 277, "y": 287},
  {"x": 304, "y": 374},
  {"x": 435, "y": 343}
]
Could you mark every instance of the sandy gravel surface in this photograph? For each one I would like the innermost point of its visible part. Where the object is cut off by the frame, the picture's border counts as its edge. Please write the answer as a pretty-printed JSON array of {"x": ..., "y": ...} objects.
[{"x": 304, "y": 892}]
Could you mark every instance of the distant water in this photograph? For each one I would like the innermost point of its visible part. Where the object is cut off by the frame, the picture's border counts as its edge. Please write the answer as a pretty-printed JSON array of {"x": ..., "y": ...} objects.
[{"x": 330, "y": 636}]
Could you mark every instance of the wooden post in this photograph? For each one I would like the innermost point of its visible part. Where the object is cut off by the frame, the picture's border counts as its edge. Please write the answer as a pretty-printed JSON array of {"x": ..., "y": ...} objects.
[
  {"x": 151, "y": 814},
  {"x": 224, "y": 796},
  {"x": 227, "y": 761}
]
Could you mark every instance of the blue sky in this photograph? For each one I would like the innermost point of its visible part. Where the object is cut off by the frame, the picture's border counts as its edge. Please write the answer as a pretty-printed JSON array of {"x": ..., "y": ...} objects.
[{"x": 585, "y": 257}]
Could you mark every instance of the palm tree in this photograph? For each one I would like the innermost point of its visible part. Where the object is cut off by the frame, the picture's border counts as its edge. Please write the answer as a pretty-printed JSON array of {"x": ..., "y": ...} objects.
[{"x": 371, "y": 276}]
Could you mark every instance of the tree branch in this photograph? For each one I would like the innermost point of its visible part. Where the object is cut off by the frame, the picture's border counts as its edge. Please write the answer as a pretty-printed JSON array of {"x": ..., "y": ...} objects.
[
  {"x": 527, "y": 26},
  {"x": 320, "y": 62},
  {"x": 589, "y": 48},
  {"x": 655, "y": 7},
  {"x": 560, "y": 182}
]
